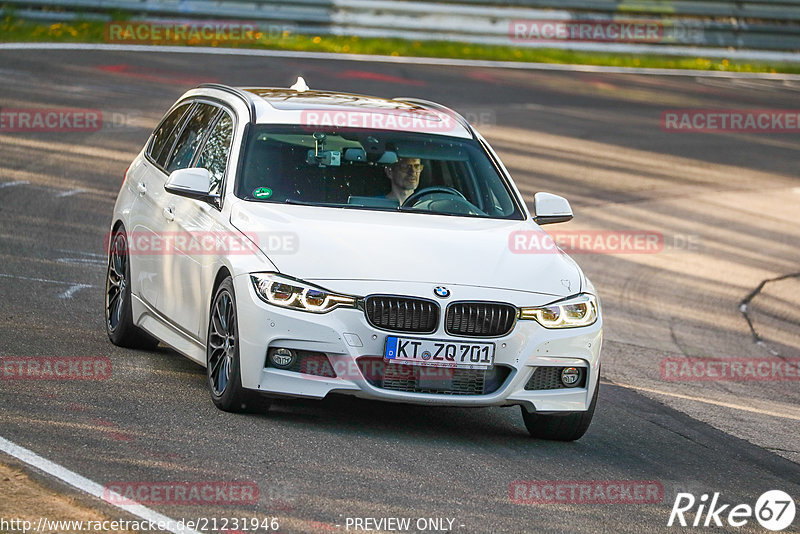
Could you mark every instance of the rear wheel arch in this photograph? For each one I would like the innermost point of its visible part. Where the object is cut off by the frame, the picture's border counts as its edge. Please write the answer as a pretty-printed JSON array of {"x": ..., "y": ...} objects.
[{"x": 118, "y": 296}]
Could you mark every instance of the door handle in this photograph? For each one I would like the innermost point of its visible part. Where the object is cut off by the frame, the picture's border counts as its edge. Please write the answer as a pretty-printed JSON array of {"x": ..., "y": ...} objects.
[
  {"x": 169, "y": 214},
  {"x": 142, "y": 188}
]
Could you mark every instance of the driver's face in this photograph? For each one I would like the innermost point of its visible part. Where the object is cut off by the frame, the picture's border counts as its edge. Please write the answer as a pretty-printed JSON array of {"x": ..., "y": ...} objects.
[{"x": 405, "y": 173}]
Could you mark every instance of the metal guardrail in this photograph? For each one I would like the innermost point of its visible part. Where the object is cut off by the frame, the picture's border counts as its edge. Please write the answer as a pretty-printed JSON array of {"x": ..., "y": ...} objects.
[{"x": 762, "y": 25}]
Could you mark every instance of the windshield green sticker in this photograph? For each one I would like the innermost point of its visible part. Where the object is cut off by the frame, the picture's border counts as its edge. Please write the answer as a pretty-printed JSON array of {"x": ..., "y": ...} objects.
[{"x": 262, "y": 192}]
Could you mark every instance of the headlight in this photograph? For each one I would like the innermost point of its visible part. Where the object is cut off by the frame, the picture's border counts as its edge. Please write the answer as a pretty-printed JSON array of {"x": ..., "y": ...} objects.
[
  {"x": 580, "y": 310},
  {"x": 297, "y": 295}
]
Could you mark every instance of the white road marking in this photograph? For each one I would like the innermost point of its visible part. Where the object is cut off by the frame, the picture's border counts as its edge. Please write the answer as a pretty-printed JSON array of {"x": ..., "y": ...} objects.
[
  {"x": 764, "y": 346},
  {"x": 795, "y": 417},
  {"x": 71, "y": 291},
  {"x": 65, "y": 295},
  {"x": 88, "y": 486},
  {"x": 45, "y": 280},
  {"x": 91, "y": 261},
  {"x": 81, "y": 253},
  {"x": 70, "y": 193},
  {"x": 12, "y": 184},
  {"x": 398, "y": 59}
]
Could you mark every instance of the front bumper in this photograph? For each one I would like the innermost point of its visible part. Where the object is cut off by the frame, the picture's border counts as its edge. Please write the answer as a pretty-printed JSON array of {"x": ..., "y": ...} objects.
[{"x": 345, "y": 336}]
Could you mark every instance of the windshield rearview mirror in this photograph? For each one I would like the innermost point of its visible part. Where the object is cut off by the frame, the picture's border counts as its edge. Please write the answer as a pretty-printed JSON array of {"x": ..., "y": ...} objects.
[
  {"x": 388, "y": 158},
  {"x": 355, "y": 154}
]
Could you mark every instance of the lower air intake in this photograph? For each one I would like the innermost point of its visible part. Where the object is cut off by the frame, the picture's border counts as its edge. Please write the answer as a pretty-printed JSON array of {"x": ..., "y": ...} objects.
[
  {"x": 544, "y": 378},
  {"x": 437, "y": 380}
]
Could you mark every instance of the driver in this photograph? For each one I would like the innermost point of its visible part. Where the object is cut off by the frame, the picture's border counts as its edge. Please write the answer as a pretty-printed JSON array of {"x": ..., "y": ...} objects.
[{"x": 404, "y": 176}]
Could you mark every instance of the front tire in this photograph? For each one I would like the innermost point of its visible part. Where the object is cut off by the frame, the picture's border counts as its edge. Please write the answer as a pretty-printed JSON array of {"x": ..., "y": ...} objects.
[
  {"x": 118, "y": 313},
  {"x": 562, "y": 427},
  {"x": 223, "y": 368}
]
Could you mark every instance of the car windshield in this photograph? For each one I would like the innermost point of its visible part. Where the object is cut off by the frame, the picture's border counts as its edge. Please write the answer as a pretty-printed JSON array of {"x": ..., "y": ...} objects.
[{"x": 374, "y": 170}]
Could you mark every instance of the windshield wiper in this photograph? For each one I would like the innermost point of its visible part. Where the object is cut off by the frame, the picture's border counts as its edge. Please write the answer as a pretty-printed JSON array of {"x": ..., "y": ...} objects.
[
  {"x": 336, "y": 205},
  {"x": 307, "y": 203},
  {"x": 409, "y": 209},
  {"x": 412, "y": 208},
  {"x": 299, "y": 202}
]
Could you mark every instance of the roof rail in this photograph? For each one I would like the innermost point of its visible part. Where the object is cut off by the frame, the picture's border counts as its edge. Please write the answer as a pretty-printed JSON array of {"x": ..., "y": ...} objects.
[
  {"x": 234, "y": 91},
  {"x": 427, "y": 103}
]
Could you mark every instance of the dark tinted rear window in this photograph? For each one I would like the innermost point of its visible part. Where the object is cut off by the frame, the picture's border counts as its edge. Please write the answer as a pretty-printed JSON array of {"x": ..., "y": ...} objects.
[
  {"x": 214, "y": 156},
  {"x": 164, "y": 135},
  {"x": 194, "y": 132}
]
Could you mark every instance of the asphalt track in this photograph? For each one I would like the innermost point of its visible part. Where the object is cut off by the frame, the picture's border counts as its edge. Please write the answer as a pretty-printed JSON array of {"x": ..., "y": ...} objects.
[{"x": 726, "y": 204}]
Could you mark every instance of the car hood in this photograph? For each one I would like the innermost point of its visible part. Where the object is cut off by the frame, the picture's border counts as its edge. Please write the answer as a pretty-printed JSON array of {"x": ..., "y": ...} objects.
[{"x": 319, "y": 243}]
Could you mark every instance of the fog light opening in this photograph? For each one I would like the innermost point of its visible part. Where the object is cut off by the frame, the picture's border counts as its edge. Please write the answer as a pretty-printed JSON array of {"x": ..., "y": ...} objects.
[
  {"x": 282, "y": 358},
  {"x": 571, "y": 376}
]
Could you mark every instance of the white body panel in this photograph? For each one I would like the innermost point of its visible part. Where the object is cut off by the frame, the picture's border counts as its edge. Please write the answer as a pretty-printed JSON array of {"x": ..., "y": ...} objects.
[
  {"x": 356, "y": 252},
  {"x": 376, "y": 245}
]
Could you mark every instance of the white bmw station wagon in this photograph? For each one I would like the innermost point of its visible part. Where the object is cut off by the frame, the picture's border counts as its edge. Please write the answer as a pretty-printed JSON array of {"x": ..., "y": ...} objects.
[{"x": 301, "y": 243}]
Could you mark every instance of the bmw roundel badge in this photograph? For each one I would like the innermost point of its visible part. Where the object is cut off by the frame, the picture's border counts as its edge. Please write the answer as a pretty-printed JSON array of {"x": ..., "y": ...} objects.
[{"x": 441, "y": 292}]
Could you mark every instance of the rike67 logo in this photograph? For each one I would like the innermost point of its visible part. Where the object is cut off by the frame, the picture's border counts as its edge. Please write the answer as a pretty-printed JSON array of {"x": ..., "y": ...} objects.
[{"x": 774, "y": 510}]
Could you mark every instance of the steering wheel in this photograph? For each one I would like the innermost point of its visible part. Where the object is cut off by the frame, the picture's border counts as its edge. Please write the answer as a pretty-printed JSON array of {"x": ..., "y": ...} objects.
[{"x": 415, "y": 197}]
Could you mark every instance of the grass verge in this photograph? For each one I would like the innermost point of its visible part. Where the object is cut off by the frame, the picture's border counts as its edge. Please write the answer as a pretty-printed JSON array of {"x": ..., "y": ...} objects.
[{"x": 14, "y": 29}]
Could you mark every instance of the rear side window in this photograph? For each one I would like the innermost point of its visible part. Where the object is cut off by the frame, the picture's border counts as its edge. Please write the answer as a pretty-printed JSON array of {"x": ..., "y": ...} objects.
[
  {"x": 201, "y": 120},
  {"x": 164, "y": 135},
  {"x": 214, "y": 156}
]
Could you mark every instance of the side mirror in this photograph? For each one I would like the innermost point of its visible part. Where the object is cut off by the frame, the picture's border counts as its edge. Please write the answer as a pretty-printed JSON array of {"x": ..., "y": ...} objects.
[
  {"x": 193, "y": 183},
  {"x": 549, "y": 209}
]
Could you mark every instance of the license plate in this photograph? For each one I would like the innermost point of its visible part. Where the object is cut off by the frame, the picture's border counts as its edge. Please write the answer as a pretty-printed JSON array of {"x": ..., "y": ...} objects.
[{"x": 439, "y": 353}]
